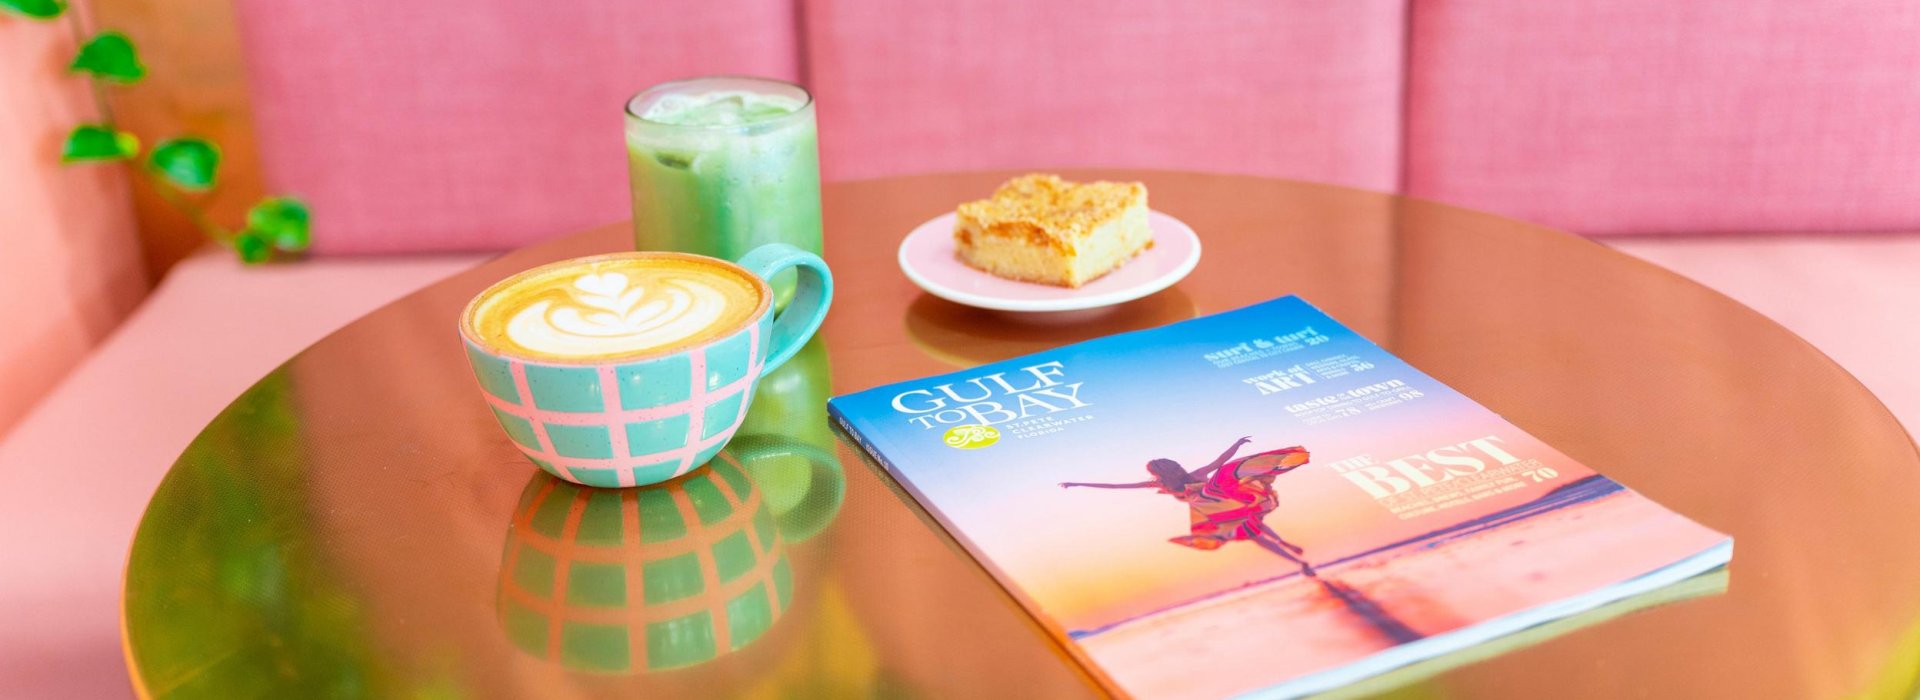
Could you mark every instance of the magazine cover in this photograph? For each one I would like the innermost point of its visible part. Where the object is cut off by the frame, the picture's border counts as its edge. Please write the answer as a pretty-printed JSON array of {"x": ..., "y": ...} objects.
[{"x": 1262, "y": 502}]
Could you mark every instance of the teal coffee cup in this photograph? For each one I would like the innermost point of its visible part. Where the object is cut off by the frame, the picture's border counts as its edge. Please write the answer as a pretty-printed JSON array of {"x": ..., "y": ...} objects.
[{"x": 629, "y": 369}]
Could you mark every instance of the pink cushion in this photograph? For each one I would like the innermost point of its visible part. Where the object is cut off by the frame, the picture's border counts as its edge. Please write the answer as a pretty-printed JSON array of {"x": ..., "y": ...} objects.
[
  {"x": 1852, "y": 296},
  {"x": 69, "y": 263},
  {"x": 209, "y": 331},
  {"x": 1636, "y": 116},
  {"x": 1298, "y": 88},
  {"x": 420, "y": 126}
]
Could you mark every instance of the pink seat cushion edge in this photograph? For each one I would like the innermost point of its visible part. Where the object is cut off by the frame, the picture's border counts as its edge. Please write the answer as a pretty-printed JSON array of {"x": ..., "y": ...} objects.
[{"x": 1848, "y": 295}]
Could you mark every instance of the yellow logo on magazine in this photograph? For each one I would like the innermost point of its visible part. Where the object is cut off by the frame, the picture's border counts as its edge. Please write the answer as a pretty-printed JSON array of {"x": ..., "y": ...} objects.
[{"x": 971, "y": 437}]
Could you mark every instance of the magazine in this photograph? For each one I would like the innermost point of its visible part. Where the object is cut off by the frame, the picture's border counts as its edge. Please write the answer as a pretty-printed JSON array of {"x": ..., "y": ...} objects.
[{"x": 1262, "y": 503}]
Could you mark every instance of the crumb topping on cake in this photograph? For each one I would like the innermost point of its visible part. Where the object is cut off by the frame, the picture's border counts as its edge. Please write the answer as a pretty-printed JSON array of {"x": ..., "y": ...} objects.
[{"x": 1051, "y": 211}]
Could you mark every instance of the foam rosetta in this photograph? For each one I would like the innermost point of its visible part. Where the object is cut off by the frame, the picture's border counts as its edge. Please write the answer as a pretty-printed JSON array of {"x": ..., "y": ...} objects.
[{"x": 614, "y": 306}]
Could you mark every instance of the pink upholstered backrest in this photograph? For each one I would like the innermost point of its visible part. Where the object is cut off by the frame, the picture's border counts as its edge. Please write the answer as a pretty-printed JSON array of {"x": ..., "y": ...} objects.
[
  {"x": 1294, "y": 88},
  {"x": 440, "y": 126},
  {"x": 1648, "y": 116},
  {"x": 70, "y": 266},
  {"x": 482, "y": 124}
]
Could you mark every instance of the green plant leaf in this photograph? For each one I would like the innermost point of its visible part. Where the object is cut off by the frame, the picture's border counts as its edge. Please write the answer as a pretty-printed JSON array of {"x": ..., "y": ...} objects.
[
  {"x": 252, "y": 247},
  {"x": 191, "y": 163},
  {"x": 109, "y": 55},
  {"x": 37, "y": 9},
  {"x": 94, "y": 142},
  {"x": 283, "y": 221}
]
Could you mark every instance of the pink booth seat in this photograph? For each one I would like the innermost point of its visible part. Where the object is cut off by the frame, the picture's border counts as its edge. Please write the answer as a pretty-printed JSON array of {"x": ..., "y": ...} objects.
[
  {"x": 69, "y": 262},
  {"x": 1852, "y": 296},
  {"x": 481, "y": 125},
  {"x": 1655, "y": 116},
  {"x": 1293, "y": 88},
  {"x": 76, "y": 474}
]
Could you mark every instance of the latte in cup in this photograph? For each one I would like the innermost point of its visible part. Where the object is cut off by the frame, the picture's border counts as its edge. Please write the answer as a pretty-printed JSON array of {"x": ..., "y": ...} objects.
[
  {"x": 635, "y": 368},
  {"x": 611, "y": 307}
]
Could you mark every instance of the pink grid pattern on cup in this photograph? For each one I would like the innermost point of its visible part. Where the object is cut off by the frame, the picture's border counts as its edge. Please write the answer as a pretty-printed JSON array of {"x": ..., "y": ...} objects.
[{"x": 615, "y": 418}]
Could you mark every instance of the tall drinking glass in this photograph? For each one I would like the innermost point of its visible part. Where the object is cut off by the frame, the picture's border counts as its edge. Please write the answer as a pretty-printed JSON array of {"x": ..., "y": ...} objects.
[{"x": 723, "y": 165}]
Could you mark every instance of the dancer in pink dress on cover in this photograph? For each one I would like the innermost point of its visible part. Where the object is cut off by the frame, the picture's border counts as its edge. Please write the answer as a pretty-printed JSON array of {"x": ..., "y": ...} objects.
[{"x": 1228, "y": 499}]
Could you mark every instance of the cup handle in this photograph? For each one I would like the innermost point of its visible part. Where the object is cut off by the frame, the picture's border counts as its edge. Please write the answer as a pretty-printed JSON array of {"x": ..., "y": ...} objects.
[{"x": 794, "y": 326}]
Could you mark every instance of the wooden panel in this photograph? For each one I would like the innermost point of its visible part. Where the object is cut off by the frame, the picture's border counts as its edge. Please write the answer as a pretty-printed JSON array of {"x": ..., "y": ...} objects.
[{"x": 196, "y": 84}]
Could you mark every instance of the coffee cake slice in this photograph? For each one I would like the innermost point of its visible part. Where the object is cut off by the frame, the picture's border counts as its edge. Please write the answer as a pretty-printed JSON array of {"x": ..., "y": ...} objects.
[{"x": 1040, "y": 228}]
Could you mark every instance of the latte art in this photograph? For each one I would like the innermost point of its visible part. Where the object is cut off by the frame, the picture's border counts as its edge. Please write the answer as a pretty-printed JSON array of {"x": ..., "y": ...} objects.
[{"x": 615, "y": 306}]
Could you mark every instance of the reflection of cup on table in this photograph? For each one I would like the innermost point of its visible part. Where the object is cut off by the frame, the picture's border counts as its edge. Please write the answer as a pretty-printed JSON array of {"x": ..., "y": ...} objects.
[
  {"x": 808, "y": 476},
  {"x": 634, "y": 368},
  {"x": 786, "y": 443},
  {"x": 666, "y": 576},
  {"x": 722, "y": 165}
]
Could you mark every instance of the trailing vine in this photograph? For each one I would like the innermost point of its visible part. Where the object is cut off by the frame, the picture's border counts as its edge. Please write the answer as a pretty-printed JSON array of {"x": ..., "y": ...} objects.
[{"x": 182, "y": 169}]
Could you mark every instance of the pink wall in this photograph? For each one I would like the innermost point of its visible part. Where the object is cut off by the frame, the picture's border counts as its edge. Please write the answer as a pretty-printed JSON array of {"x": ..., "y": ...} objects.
[{"x": 69, "y": 262}]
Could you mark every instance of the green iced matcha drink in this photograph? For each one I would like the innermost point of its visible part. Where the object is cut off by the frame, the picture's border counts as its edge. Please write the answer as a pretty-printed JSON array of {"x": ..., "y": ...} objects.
[{"x": 723, "y": 165}]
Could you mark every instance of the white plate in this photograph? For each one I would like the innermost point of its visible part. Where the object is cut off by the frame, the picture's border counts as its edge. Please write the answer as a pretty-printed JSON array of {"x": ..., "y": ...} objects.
[{"x": 927, "y": 256}]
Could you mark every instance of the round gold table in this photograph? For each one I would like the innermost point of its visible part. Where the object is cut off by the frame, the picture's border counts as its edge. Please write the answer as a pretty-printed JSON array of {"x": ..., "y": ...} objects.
[{"x": 356, "y": 525}]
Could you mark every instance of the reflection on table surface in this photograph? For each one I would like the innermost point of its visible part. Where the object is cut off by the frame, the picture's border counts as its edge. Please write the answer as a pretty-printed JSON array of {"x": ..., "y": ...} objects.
[
  {"x": 646, "y": 579},
  {"x": 681, "y": 573},
  {"x": 721, "y": 582},
  {"x": 357, "y": 525},
  {"x": 963, "y": 336},
  {"x": 1397, "y": 681}
]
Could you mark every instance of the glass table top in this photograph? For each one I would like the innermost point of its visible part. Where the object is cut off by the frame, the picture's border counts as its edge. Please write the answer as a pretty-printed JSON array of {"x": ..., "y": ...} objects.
[{"x": 357, "y": 525}]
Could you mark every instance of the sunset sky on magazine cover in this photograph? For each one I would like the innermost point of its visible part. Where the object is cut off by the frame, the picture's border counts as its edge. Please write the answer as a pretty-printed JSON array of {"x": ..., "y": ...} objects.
[{"x": 1093, "y": 557}]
